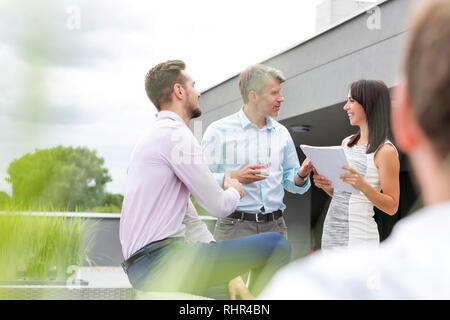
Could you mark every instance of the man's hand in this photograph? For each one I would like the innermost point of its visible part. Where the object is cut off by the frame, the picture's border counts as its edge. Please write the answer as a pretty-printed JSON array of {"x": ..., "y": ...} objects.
[
  {"x": 230, "y": 182},
  {"x": 306, "y": 168},
  {"x": 237, "y": 287},
  {"x": 304, "y": 171},
  {"x": 250, "y": 173}
]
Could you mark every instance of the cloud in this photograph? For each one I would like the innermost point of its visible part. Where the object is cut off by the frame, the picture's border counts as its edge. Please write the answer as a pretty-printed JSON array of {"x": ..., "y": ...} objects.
[
  {"x": 51, "y": 115},
  {"x": 41, "y": 32}
]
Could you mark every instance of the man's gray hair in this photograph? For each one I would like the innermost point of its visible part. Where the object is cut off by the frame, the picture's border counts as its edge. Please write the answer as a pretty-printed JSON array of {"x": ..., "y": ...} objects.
[{"x": 254, "y": 78}]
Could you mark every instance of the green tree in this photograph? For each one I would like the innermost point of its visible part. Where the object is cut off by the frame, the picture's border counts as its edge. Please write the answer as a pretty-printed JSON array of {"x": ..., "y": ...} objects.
[
  {"x": 113, "y": 199},
  {"x": 63, "y": 178},
  {"x": 112, "y": 203},
  {"x": 4, "y": 199}
]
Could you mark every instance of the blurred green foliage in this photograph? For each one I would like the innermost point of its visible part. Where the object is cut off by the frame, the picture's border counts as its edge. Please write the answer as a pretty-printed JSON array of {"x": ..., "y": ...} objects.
[
  {"x": 35, "y": 245},
  {"x": 112, "y": 203},
  {"x": 63, "y": 178},
  {"x": 4, "y": 200}
]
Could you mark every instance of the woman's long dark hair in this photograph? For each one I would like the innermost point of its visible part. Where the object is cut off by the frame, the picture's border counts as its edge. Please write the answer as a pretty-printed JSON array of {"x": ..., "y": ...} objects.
[{"x": 374, "y": 97}]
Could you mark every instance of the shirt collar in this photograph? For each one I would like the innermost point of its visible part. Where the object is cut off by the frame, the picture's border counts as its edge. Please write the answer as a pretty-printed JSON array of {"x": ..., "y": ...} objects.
[
  {"x": 168, "y": 114},
  {"x": 245, "y": 121}
]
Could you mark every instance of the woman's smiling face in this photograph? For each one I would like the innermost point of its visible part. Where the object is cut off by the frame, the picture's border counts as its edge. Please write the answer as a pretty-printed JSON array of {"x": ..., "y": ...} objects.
[{"x": 355, "y": 111}]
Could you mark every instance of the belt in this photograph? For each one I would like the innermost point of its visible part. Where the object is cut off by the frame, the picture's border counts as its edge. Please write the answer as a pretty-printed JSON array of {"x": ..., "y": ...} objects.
[
  {"x": 145, "y": 250},
  {"x": 258, "y": 217}
]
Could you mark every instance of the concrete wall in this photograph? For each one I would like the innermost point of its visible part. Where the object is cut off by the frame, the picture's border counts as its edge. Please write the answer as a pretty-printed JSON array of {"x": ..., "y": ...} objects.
[
  {"x": 106, "y": 249},
  {"x": 329, "y": 12}
]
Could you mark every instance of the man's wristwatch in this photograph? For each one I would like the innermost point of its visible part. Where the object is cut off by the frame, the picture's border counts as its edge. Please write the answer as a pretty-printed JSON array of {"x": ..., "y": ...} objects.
[{"x": 303, "y": 178}]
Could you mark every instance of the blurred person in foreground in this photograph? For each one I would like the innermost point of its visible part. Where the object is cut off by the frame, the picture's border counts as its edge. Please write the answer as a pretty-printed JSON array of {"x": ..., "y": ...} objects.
[
  {"x": 167, "y": 248},
  {"x": 414, "y": 263}
]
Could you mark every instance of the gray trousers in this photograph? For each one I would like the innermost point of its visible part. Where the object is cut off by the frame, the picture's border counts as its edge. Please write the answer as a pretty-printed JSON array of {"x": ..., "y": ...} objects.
[{"x": 230, "y": 228}]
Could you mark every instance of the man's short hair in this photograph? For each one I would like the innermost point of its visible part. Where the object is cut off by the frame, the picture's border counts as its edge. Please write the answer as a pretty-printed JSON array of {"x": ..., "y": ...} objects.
[
  {"x": 427, "y": 68},
  {"x": 160, "y": 80},
  {"x": 254, "y": 78}
]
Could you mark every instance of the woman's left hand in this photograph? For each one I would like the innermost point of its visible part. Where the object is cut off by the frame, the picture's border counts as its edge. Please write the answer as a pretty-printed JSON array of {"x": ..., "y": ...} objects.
[{"x": 354, "y": 178}]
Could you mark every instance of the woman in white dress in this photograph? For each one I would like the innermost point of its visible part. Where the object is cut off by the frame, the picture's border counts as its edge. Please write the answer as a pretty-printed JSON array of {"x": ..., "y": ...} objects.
[{"x": 374, "y": 167}]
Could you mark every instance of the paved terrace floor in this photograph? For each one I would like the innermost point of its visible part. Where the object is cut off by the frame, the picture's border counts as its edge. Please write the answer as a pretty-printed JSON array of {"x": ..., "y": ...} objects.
[{"x": 103, "y": 283}]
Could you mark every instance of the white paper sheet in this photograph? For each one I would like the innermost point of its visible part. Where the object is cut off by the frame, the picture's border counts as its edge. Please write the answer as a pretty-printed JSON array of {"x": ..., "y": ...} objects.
[{"x": 328, "y": 162}]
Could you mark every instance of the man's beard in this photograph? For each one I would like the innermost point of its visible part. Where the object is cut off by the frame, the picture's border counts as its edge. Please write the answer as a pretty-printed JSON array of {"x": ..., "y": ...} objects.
[{"x": 193, "y": 111}]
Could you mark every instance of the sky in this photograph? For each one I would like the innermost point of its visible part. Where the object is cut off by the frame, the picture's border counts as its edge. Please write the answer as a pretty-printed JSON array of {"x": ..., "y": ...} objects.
[{"x": 73, "y": 71}]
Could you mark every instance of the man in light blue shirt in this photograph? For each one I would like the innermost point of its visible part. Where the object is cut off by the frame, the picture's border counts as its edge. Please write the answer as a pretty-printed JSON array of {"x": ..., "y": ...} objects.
[{"x": 260, "y": 153}]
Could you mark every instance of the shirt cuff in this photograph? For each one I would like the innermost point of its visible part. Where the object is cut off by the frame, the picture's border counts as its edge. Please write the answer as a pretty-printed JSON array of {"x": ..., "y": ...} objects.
[
  {"x": 235, "y": 191},
  {"x": 302, "y": 189}
]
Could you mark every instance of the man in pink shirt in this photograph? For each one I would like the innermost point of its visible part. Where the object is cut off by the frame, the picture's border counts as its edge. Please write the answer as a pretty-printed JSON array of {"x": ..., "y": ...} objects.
[{"x": 165, "y": 245}]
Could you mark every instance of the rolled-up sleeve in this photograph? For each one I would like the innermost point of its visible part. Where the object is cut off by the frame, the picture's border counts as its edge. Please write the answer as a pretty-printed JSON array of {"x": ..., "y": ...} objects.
[
  {"x": 291, "y": 166},
  {"x": 289, "y": 182}
]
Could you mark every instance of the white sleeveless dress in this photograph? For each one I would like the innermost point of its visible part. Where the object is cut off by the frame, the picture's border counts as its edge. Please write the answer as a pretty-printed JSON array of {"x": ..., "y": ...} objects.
[{"x": 350, "y": 218}]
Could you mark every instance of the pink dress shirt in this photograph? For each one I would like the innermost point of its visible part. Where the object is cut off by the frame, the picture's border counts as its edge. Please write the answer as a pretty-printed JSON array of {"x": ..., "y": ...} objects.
[{"x": 166, "y": 167}]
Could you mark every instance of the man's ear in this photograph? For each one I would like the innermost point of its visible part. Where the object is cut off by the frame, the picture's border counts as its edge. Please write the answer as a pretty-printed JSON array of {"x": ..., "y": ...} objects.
[
  {"x": 178, "y": 91},
  {"x": 252, "y": 96},
  {"x": 406, "y": 130}
]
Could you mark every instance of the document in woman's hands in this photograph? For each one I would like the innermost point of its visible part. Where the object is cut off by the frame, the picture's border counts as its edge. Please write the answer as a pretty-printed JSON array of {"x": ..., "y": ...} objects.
[{"x": 328, "y": 162}]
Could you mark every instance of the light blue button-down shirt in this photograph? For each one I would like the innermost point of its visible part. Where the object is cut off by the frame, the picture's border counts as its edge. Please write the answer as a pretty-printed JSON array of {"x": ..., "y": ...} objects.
[{"x": 234, "y": 142}]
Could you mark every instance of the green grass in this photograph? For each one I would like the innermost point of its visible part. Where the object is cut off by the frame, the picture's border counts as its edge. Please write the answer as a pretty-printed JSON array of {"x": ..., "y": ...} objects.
[{"x": 38, "y": 244}]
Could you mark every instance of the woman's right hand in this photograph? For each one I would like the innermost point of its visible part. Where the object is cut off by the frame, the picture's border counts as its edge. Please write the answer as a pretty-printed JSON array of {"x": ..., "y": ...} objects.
[{"x": 322, "y": 183}]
